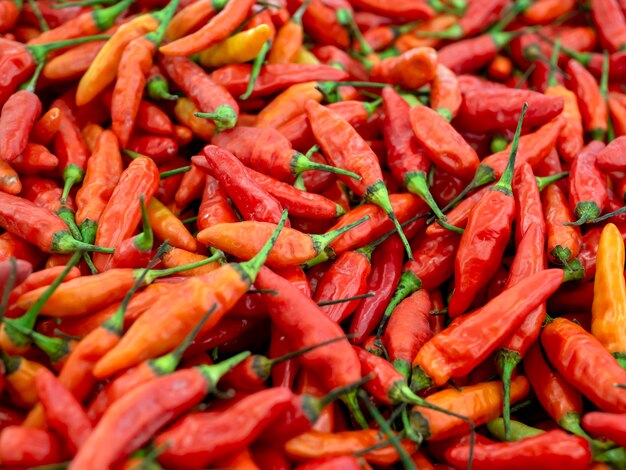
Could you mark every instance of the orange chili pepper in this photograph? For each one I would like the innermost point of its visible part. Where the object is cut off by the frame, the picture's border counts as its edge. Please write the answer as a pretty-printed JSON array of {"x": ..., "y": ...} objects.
[
  {"x": 20, "y": 374},
  {"x": 167, "y": 226},
  {"x": 289, "y": 104},
  {"x": 564, "y": 241},
  {"x": 289, "y": 39},
  {"x": 411, "y": 70},
  {"x": 45, "y": 128},
  {"x": 191, "y": 16}
]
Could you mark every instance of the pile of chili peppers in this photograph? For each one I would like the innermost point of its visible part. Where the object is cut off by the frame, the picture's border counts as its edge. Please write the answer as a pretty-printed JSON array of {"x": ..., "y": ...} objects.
[{"x": 312, "y": 234}]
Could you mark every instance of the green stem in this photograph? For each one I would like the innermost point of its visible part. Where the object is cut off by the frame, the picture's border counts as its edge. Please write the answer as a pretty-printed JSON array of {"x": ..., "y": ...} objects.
[
  {"x": 175, "y": 171},
  {"x": 158, "y": 89},
  {"x": 321, "y": 241},
  {"x": 43, "y": 25},
  {"x": 214, "y": 373},
  {"x": 40, "y": 51},
  {"x": 32, "y": 83},
  {"x": 157, "y": 273},
  {"x": 586, "y": 211},
  {"x": 484, "y": 175},
  {"x": 256, "y": 70},
  {"x": 408, "y": 284},
  {"x": 545, "y": 181},
  {"x": 297, "y": 16},
  {"x": 507, "y": 360},
  {"x": 415, "y": 182},
  {"x": 249, "y": 269},
  {"x": 346, "y": 299},
  {"x": 504, "y": 185},
  {"x": 55, "y": 348},
  {"x": 72, "y": 174},
  {"x": 145, "y": 239},
  {"x": 10, "y": 283},
  {"x": 518, "y": 7},
  {"x": 164, "y": 16},
  {"x": 350, "y": 399},
  {"x": 106, "y": 17},
  {"x": 224, "y": 117},
  {"x": 301, "y": 163},
  {"x": 345, "y": 18}
]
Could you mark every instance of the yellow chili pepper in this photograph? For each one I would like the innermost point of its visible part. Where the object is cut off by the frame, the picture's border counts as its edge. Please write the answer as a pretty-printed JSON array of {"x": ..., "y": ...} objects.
[
  {"x": 237, "y": 49},
  {"x": 305, "y": 56},
  {"x": 608, "y": 312},
  {"x": 20, "y": 377},
  {"x": 166, "y": 226},
  {"x": 289, "y": 104},
  {"x": 185, "y": 114},
  {"x": 103, "y": 69}
]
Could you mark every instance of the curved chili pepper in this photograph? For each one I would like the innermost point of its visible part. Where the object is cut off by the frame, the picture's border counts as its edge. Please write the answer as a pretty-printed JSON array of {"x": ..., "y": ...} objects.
[
  {"x": 445, "y": 94},
  {"x": 324, "y": 123},
  {"x": 552, "y": 449},
  {"x": 136, "y": 252},
  {"x": 34, "y": 159},
  {"x": 289, "y": 39},
  {"x": 71, "y": 65},
  {"x": 527, "y": 202},
  {"x": 560, "y": 400},
  {"x": 409, "y": 10},
  {"x": 480, "y": 403},
  {"x": 436, "y": 362},
  {"x": 163, "y": 399},
  {"x": 610, "y": 158},
  {"x": 167, "y": 226},
  {"x": 192, "y": 15},
  {"x": 20, "y": 445},
  {"x": 408, "y": 330},
  {"x": 609, "y": 20},
  {"x": 46, "y": 127},
  {"x": 18, "y": 115},
  {"x": 9, "y": 180},
  {"x": 121, "y": 214},
  {"x": 469, "y": 55},
  {"x": 20, "y": 376},
  {"x": 335, "y": 365},
  {"x": 485, "y": 237},
  {"x": 214, "y": 208},
  {"x": 86, "y": 24},
  {"x": 341, "y": 60},
  {"x": 384, "y": 276},
  {"x": 218, "y": 434},
  {"x": 529, "y": 259},
  {"x": 237, "y": 49},
  {"x": 273, "y": 77},
  {"x": 63, "y": 413},
  {"x": 563, "y": 240},
  {"x": 218, "y": 28},
  {"x": 592, "y": 105},
  {"x": 182, "y": 309},
  {"x": 584, "y": 363},
  {"x": 211, "y": 99},
  {"x": 546, "y": 11},
  {"x": 14, "y": 246}
]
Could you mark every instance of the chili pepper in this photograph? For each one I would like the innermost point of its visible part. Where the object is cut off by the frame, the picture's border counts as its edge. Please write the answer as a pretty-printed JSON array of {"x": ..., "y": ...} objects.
[
  {"x": 324, "y": 123},
  {"x": 252, "y": 201},
  {"x": 224, "y": 287},
  {"x": 10, "y": 13},
  {"x": 288, "y": 104},
  {"x": 561, "y": 401},
  {"x": 267, "y": 151},
  {"x": 192, "y": 15},
  {"x": 500, "y": 68},
  {"x": 136, "y": 252},
  {"x": 563, "y": 240},
  {"x": 383, "y": 279},
  {"x": 218, "y": 434},
  {"x": 185, "y": 112},
  {"x": 340, "y": 59},
  {"x": 605, "y": 424},
  {"x": 321, "y": 23},
  {"x": 445, "y": 95},
  {"x": 20, "y": 446},
  {"x": 121, "y": 214},
  {"x": 609, "y": 20},
  {"x": 89, "y": 23},
  {"x": 411, "y": 69},
  {"x": 167, "y": 226},
  {"x": 18, "y": 115},
  {"x": 530, "y": 259},
  {"x": 585, "y": 364},
  {"x": 273, "y": 77},
  {"x": 527, "y": 202},
  {"x": 210, "y": 98},
  {"x": 454, "y": 363},
  {"x": 14, "y": 246},
  {"x": 609, "y": 159},
  {"x": 292, "y": 248},
  {"x": 159, "y": 148},
  {"x": 403, "y": 9},
  {"x": 218, "y": 28},
  {"x": 546, "y": 11},
  {"x": 289, "y": 39},
  {"x": 609, "y": 299},
  {"x": 617, "y": 113},
  {"x": 298, "y": 203},
  {"x": 548, "y": 450},
  {"x": 34, "y": 159},
  {"x": 214, "y": 208},
  {"x": 177, "y": 393},
  {"x": 177, "y": 257},
  {"x": 63, "y": 413},
  {"x": 20, "y": 376},
  {"x": 335, "y": 365},
  {"x": 46, "y": 127},
  {"x": 405, "y": 158},
  {"x": 9, "y": 180},
  {"x": 104, "y": 168},
  {"x": 587, "y": 185},
  {"x": 134, "y": 65},
  {"x": 237, "y": 49},
  {"x": 469, "y": 55},
  {"x": 72, "y": 64},
  {"x": 20, "y": 61},
  {"x": 408, "y": 330},
  {"x": 44, "y": 229},
  {"x": 472, "y": 272},
  {"x": 590, "y": 101}
]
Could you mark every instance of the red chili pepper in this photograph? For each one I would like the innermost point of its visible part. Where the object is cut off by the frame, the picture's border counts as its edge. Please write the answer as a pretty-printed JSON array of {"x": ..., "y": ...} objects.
[
  {"x": 610, "y": 158},
  {"x": 218, "y": 28},
  {"x": 407, "y": 9},
  {"x": 122, "y": 213},
  {"x": 273, "y": 77},
  {"x": 19, "y": 114},
  {"x": 609, "y": 20},
  {"x": 611, "y": 426},
  {"x": 136, "y": 252},
  {"x": 104, "y": 168},
  {"x": 587, "y": 185},
  {"x": 34, "y": 159},
  {"x": 340, "y": 59},
  {"x": 214, "y": 208},
  {"x": 585, "y": 364},
  {"x": 445, "y": 94},
  {"x": 408, "y": 330},
  {"x": 592, "y": 105},
  {"x": 437, "y": 362},
  {"x": 563, "y": 240},
  {"x": 383, "y": 279},
  {"x": 469, "y": 55},
  {"x": 212, "y": 99},
  {"x": 63, "y": 413},
  {"x": 163, "y": 399},
  {"x": 10, "y": 13},
  {"x": 21, "y": 446},
  {"x": 527, "y": 202},
  {"x": 552, "y": 449}
]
